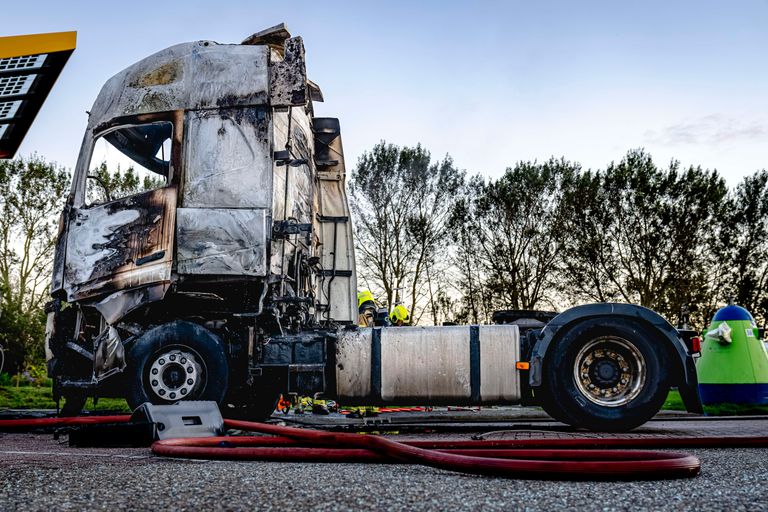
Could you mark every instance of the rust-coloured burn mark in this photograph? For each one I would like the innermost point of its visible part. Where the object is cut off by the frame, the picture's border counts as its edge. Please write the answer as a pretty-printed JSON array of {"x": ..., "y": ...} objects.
[
  {"x": 143, "y": 241},
  {"x": 163, "y": 75}
]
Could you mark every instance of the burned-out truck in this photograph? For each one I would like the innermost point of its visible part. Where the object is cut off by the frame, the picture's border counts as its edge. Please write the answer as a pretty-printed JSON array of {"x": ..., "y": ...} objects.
[{"x": 226, "y": 271}]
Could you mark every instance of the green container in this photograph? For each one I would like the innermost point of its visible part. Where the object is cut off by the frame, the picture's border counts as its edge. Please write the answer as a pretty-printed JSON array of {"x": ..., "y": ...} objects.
[{"x": 733, "y": 367}]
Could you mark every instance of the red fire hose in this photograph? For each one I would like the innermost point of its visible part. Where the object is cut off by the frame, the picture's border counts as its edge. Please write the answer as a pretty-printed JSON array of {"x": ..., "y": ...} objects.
[{"x": 592, "y": 458}]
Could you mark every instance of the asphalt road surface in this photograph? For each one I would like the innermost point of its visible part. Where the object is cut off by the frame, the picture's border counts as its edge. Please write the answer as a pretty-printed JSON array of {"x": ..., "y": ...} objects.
[{"x": 40, "y": 473}]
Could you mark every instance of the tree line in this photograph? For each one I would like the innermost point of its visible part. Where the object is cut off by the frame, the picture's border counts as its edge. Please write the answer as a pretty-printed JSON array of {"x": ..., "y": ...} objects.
[
  {"x": 455, "y": 247},
  {"x": 548, "y": 235}
]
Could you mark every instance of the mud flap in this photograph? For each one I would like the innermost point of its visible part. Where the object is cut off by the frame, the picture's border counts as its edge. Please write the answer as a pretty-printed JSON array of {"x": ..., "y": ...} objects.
[{"x": 689, "y": 389}]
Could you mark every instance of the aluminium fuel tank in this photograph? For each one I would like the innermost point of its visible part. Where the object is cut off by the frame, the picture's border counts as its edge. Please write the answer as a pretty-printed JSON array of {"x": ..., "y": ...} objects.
[{"x": 453, "y": 365}]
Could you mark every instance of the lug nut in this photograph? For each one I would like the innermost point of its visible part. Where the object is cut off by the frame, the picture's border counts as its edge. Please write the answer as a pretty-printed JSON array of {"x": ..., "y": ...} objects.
[
  {"x": 172, "y": 395},
  {"x": 154, "y": 383},
  {"x": 154, "y": 371},
  {"x": 161, "y": 361},
  {"x": 183, "y": 391},
  {"x": 190, "y": 369},
  {"x": 190, "y": 381},
  {"x": 161, "y": 392},
  {"x": 172, "y": 357},
  {"x": 183, "y": 360}
]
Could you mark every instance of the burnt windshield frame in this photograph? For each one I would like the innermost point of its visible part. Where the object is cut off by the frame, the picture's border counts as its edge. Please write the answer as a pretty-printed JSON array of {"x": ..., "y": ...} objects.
[{"x": 141, "y": 143}]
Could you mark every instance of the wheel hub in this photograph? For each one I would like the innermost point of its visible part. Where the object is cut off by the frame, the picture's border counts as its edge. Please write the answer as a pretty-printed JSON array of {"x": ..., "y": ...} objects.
[
  {"x": 609, "y": 371},
  {"x": 605, "y": 373},
  {"x": 174, "y": 374}
]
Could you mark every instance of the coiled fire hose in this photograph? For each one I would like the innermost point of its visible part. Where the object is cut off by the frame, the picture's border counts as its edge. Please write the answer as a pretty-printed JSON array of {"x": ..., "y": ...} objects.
[{"x": 570, "y": 459}]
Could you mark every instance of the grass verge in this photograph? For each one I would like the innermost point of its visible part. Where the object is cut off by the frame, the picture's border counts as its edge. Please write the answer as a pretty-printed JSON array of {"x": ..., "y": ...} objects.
[
  {"x": 33, "y": 397},
  {"x": 675, "y": 403}
]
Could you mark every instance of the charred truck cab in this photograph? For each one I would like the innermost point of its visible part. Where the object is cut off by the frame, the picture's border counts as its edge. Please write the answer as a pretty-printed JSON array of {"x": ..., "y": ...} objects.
[{"x": 222, "y": 267}]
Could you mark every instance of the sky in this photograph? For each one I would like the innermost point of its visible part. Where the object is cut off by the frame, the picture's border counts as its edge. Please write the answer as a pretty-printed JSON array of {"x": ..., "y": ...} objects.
[{"x": 490, "y": 83}]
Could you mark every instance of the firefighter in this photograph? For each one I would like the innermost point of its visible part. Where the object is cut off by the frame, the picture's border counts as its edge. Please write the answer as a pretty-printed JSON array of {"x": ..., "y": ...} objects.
[
  {"x": 366, "y": 309},
  {"x": 400, "y": 316}
]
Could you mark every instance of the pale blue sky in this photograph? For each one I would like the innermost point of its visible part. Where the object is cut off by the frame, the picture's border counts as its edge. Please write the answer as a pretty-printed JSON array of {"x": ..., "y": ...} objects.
[{"x": 491, "y": 83}]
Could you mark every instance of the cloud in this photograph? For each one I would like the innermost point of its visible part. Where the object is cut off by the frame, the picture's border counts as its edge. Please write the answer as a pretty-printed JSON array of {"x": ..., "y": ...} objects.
[{"x": 711, "y": 129}]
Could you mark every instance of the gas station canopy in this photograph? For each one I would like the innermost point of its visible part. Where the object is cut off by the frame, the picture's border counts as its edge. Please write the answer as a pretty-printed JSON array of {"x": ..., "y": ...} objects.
[{"x": 29, "y": 66}]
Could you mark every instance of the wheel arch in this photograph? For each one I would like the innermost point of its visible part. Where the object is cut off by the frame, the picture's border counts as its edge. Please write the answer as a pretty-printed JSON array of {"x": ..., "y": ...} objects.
[
  {"x": 173, "y": 332},
  {"x": 683, "y": 367},
  {"x": 172, "y": 329}
]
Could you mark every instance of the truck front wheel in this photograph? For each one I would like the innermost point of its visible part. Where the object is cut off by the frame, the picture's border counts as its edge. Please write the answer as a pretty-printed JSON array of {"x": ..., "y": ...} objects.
[
  {"x": 176, "y": 361},
  {"x": 609, "y": 374}
]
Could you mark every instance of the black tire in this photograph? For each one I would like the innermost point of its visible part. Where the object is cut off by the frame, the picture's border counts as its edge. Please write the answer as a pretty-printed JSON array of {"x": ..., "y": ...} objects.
[
  {"x": 604, "y": 347},
  {"x": 180, "y": 340}
]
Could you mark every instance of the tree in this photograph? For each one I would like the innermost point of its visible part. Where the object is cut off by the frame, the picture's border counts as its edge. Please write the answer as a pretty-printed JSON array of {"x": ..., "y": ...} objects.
[
  {"x": 638, "y": 233},
  {"x": 105, "y": 184},
  {"x": 745, "y": 243},
  {"x": 586, "y": 263},
  {"x": 474, "y": 305},
  {"x": 401, "y": 202},
  {"x": 32, "y": 192},
  {"x": 510, "y": 241}
]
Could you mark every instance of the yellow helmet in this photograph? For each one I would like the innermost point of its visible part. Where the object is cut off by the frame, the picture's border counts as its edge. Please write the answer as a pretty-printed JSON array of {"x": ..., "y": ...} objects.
[
  {"x": 363, "y": 297},
  {"x": 400, "y": 315}
]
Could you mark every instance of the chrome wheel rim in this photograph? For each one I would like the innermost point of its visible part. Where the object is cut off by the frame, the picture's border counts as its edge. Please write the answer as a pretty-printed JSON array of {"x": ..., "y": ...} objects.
[
  {"x": 175, "y": 374},
  {"x": 609, "y": 371}
]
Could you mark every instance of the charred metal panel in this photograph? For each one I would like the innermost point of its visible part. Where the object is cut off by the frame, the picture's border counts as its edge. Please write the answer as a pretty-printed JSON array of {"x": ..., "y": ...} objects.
[
  {"x": 115, "y": 306},
  {"x": 122, "y": 244},
  {"x": 221, "y": 241},
  {"x": 59, "y": 254},
  {"x": 499, "y": 353},
  {"x": 296, "y": 200},
  {"x": 353, "y": 364},
  {"x": 110, "y": 354},
  {"x": 188, "y": 76},
  {"x": 228, "y": 161},
  {"x": 273, "y": 36},
  {"x": 288, "y": 77},
  {"x": 431, "y": 363},
  {"x": 292, "y": 179},
  {"x": 337, "y": 251}
]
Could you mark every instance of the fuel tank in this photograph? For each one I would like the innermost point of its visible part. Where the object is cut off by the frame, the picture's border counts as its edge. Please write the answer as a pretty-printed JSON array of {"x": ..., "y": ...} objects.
[{"x": 451, "y": 365}]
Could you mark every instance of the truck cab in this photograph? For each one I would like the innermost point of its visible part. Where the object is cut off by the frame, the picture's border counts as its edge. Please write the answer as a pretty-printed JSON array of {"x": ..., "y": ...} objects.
[{"x": 234, "y": 218}]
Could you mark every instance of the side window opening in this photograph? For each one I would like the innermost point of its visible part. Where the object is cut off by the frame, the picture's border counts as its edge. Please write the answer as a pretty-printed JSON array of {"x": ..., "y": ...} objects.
[{"x": 129, "y": 160}]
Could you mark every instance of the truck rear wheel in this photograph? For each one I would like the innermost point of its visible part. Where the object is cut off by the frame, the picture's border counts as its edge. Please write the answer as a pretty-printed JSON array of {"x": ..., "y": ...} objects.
[
  {"x": 176, "y": 361},
  {"x": 606, "y": 374}
]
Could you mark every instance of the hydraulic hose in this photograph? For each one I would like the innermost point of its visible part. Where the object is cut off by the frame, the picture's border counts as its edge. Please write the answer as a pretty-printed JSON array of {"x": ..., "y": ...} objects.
[{"x": 572, "y": 459}]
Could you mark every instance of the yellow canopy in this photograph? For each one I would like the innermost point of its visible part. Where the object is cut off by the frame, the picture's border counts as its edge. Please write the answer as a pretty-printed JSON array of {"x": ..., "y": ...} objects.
[{"x": 29, "y": 66}]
